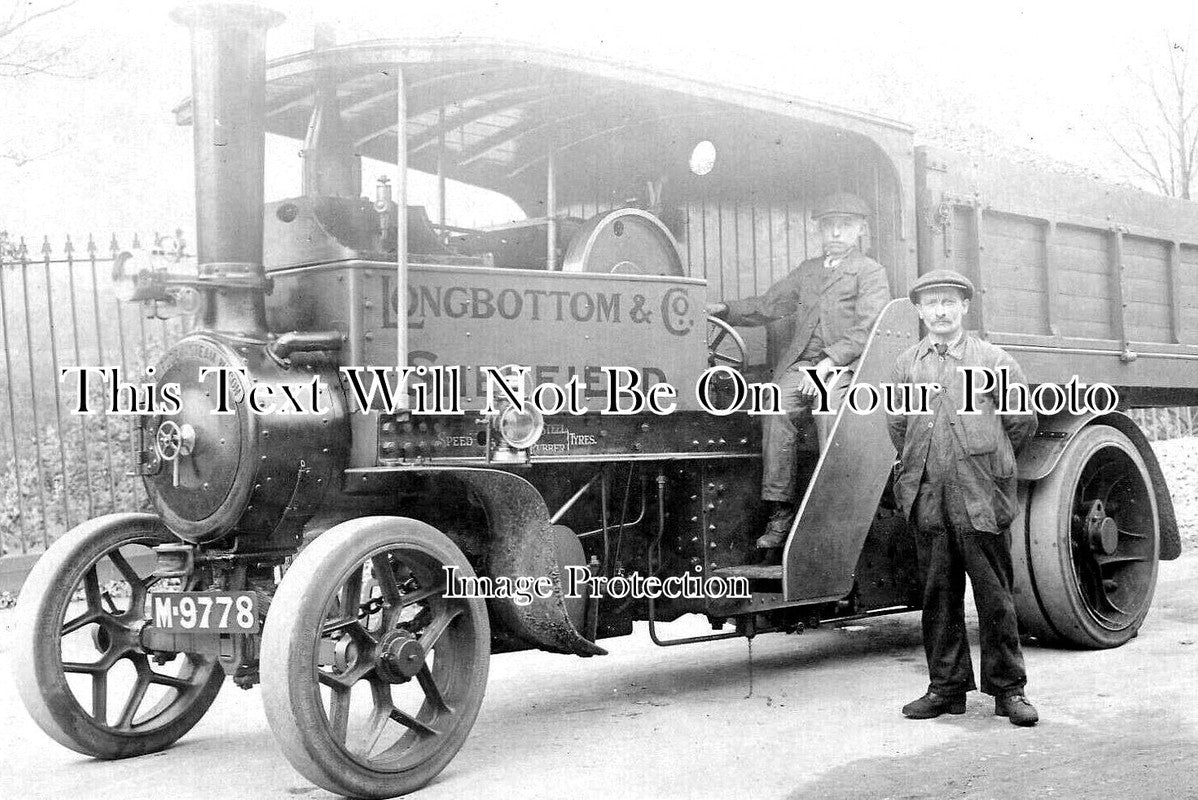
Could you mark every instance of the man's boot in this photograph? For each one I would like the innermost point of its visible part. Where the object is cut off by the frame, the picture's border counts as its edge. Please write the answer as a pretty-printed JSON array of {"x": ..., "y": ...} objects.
[
  {"x": 778, "y": 527},
  {"x": 1017, "y": 709},
  {"x": 932, "y": 705}
]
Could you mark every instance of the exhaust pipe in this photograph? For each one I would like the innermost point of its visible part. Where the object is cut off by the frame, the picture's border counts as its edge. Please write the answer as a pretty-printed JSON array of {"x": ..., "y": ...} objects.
[{"x": 228, "y": 76}]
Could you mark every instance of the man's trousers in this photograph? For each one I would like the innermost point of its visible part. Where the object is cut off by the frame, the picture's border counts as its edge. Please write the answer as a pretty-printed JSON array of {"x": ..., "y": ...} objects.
[
  {"x": 949, "y": 549},
  {"x": 780, "y": 432}
]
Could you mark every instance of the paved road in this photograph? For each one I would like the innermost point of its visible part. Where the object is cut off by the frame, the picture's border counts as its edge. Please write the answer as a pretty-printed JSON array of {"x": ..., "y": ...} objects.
[{"x": 820, "y": 719}]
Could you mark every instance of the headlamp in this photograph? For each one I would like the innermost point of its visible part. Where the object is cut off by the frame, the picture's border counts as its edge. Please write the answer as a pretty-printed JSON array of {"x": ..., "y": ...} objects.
[{"x": 520, "y": 430}]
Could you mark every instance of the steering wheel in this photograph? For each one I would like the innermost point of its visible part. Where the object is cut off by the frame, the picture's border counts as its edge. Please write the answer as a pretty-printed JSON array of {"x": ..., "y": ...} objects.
[{"x": 733, "y": 353}]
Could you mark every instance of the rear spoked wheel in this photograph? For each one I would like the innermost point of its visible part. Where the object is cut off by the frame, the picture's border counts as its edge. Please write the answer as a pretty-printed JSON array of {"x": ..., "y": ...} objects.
[
  {"x": 80, "y": 667},
  {"x": 371, "y": 676}
]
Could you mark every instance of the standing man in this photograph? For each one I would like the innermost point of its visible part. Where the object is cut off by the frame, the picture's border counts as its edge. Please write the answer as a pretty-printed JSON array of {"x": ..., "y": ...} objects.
[
  {"x": 956, "y": 482},
  {"x": 835, "y": 299}
]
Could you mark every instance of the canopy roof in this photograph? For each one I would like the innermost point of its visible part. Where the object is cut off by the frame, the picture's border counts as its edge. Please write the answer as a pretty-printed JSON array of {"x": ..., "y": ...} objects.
[{"x": 500, "y": 107}]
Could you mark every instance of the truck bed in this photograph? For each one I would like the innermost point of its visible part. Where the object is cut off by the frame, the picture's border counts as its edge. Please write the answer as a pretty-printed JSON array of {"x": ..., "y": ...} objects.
[{"x": 1074, "y": 276}]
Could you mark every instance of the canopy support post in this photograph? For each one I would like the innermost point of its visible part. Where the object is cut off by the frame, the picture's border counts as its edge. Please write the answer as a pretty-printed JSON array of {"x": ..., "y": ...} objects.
[
  {"x": 401, "y": 234},
  {"x": 550, "y": 212},
  {"x": 441, "y": 171}
]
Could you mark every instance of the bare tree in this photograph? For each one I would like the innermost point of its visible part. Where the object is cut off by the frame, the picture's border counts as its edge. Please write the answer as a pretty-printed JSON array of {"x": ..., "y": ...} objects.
[
  {"x": 25, "y": 52},
  {"x": 22, "y": 54},
  {"x": 1159, "y": 137}
]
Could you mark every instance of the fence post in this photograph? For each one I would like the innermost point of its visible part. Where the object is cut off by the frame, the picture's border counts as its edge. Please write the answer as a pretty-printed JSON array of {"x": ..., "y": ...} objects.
[
  {"x": 69, "y": 250},
  {"x": 91, "y": 257},
  {"x": 12, "y": 406},
  {"x": 23, "y": 257},
  {"x": 62, "y": 446}
]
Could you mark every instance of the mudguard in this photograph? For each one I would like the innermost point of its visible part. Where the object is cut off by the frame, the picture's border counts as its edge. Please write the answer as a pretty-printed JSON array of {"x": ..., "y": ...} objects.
[
  {"x": 522, "y": 543},
  {"x": 1038, "y": 458}
]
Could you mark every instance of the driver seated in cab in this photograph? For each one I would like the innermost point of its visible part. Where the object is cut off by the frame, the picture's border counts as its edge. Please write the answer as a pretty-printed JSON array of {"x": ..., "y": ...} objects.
[{"x": 835, "y": 299}]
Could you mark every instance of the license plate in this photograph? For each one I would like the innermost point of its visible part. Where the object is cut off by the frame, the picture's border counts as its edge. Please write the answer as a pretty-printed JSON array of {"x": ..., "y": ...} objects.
[{"x": 207, "y": 612}]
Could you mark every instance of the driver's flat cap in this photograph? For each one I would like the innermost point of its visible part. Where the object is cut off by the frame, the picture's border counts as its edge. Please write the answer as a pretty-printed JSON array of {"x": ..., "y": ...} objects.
[
  {"x": 840, "y": 203},
  {"x": 941, "y": 279}
]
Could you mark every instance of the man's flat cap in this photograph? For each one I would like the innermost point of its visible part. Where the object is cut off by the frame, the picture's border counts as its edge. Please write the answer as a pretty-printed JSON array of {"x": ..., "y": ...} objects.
[
  {"x": 840, "y": 203},
  {"x": 941, "y": 279}
]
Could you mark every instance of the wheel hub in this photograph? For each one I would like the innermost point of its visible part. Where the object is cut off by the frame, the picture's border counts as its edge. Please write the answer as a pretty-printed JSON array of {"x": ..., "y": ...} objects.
[
  {"x": 1102, "y": 533},
  {"x": 400, "y": 657}
]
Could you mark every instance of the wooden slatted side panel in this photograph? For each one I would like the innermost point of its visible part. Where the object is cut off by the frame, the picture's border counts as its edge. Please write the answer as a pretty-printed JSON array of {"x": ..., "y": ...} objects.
[
  {"x": 1146, "y": 286},
  {"x": 1187, "y": 284},
  {"x": 1060, "y": 279},
  {"x": 1081, "y": 259},
  {"x": 1014, "y": 253},
  {"x": 1109, "y": 274}
]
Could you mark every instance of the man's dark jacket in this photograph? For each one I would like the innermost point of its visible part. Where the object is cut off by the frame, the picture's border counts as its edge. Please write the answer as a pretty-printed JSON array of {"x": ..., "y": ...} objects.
[
  {"x": 986, "y": 443},
  {"x": 847, "y": 298}
]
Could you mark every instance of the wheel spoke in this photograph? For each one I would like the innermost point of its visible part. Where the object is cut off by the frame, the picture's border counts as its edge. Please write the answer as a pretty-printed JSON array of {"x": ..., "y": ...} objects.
[
  {"x": 421, "y": 595},
  {"x": 383, "y": 706},
  {"x": 100, "y": 697},
  {"x": 1131, "y": 534},
  {"x": 347, "y": 679},
  {"x": 106, "y": 598},
  {"x": 431, "y": 690},
  {"x": 138, "y": 586},
  {"x": 367, "y": 639},
  {"x": 86, "y": 669},
  {"x": 340, "y": 625},
  {"x": 169, "y": 680},
  {"x": 386, "y": 578},
  {"x": 1096, "y": 594},
  {"x": 435, "y": 629},
  {"x": 725, "y": 359},
  {"x": 1113, "y": 605},
  {"x": 339, "y": 713},
  {"x": 351, "y": 595},
  {"x": 719, "y": 337},
  {"x": 370, "y": 739},
  {"x": 1104, "y": 561},
  {"x": 408, "y": 721},
  {"x": 91, "y": 590},
  {"x": 125, "y": 568},
  {"x": 84, "y": 619},
  {"x": 137, "y": 694}
]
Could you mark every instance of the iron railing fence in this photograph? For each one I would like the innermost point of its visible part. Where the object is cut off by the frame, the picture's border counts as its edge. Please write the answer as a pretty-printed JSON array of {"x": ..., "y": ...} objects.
[{"x": 59, "y": 309}]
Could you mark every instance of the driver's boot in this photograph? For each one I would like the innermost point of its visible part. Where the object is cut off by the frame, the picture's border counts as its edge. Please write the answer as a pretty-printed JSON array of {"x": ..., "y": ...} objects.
[{"x": 776, "y": 531}]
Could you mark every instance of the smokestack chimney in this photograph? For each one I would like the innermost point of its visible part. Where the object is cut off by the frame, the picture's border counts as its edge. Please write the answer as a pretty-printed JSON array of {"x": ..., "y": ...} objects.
[{"x": 228, "y": 76}]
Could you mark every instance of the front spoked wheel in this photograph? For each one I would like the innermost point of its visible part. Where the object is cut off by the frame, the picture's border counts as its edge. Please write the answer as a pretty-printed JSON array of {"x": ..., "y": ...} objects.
[
  {"x": 371, "y": 676},
  {"x": 80, "y": 667}
]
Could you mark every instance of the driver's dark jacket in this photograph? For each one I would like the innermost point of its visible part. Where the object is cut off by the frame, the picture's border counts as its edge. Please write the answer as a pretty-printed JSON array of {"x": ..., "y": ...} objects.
[
  {"x": 836, "y": 306},
  {"x": 983, "y": 444}
]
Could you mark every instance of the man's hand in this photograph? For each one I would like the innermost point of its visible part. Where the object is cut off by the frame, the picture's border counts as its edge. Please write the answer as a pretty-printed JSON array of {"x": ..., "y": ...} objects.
[
  {"x": 822, "y": 370},
  {"x": 716, "y": 309}
]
